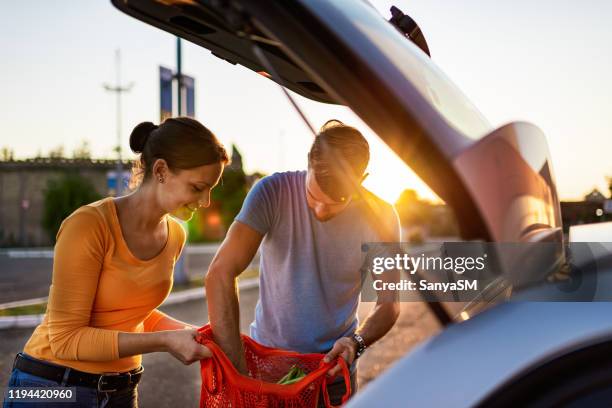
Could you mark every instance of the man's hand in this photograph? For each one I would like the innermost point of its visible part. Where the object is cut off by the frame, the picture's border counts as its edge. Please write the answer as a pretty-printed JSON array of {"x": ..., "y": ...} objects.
[{"x": 345, "y": 348}]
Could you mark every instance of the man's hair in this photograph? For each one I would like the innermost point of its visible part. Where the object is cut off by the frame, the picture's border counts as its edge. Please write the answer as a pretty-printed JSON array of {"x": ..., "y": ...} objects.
[{"x": 338, "y": 158}]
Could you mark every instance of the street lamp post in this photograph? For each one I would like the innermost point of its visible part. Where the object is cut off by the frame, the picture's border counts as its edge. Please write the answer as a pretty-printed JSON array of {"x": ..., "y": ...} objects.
[
  {"x": 179, "y": 77},
  {"x": 118, "y": 90}
]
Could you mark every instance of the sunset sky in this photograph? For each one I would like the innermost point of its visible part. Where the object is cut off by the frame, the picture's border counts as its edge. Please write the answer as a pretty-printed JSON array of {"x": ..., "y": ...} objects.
[{"x": 547, "y": 62}]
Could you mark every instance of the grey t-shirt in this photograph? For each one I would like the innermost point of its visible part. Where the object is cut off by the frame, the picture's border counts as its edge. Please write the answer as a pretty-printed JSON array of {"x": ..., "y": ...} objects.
[{"x": 310, "y": 271}]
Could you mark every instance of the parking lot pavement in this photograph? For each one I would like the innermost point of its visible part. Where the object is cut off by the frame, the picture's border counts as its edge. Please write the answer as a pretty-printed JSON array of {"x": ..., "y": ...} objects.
[
  {"x": 24, "y": 278},
  {"x": 168, "y": 383},
  {"x": 415, "y": 324}
]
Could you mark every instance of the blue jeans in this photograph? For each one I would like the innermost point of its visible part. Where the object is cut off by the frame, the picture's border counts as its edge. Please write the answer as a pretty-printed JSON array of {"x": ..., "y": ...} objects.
[{"x": 86, "y": 397}]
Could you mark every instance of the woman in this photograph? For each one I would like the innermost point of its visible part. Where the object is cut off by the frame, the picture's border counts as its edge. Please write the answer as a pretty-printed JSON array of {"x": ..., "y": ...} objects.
[{"x": 112, "y": 268}]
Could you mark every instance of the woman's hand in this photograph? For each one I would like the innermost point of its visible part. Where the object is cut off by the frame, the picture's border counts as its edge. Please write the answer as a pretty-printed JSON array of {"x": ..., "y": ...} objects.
[{"x": 183, "y": 346}]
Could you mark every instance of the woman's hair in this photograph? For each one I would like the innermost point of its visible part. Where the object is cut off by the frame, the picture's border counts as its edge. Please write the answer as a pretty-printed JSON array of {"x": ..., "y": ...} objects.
[
  {"x": 184, "y": 143},
  {"x": 338, "y": 153}
]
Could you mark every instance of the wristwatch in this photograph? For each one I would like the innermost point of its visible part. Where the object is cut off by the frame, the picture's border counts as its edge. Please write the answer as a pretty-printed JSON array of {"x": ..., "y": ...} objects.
[{"x": 361, "y": 346}]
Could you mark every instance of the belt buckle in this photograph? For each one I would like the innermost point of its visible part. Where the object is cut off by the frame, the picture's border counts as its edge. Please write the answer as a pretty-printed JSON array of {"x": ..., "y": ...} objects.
[{"x": 101, "y": 382}]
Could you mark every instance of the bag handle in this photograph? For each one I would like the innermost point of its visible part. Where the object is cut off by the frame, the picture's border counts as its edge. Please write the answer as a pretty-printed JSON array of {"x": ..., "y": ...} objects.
[
  {"x": 347, "y": 383},
  {"x": 212, "y": 375}
]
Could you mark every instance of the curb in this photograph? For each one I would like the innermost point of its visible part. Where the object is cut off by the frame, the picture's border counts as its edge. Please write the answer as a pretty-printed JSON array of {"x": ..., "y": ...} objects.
[{"x": 30, "y": 321}]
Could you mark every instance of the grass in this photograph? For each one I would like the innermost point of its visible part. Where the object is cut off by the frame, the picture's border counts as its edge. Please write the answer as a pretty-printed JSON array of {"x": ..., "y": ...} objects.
[
  {"x": 36, "y": 309},
  {"x": 251, "y": 272}
]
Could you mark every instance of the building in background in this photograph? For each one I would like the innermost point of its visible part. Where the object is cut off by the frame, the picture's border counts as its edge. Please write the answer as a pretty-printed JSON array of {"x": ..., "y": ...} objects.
[
  {"x": 594, "y": 208},
  {"x": 23, "y": 184},
  {"x": 22, "y": 187}
]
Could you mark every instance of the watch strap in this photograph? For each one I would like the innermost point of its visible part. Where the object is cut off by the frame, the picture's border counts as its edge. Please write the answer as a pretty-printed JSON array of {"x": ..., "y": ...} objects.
[{"x": 361, "y": 346}]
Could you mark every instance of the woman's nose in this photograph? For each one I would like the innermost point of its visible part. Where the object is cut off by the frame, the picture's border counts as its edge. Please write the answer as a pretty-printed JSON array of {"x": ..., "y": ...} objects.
[{"x": 204, "y": 202}]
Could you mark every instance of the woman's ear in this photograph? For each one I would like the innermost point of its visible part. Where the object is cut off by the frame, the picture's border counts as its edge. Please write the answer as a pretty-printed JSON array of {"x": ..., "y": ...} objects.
[{"x": 160, "y": 170}]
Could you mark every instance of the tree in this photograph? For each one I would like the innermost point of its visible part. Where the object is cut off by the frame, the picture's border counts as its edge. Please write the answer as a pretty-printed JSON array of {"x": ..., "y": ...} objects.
[
  {"x": 211, "y": 224},
  {"x": 230, "y": 194},
  {"x": 62, "y": 197},
  {"x": 6, "y": 154},
  {"x": 412, "y": 210},
  {"x": 57, "y": 153},
  {"x": 82, "y": 151},
  {"x": 437, "y": 220}
]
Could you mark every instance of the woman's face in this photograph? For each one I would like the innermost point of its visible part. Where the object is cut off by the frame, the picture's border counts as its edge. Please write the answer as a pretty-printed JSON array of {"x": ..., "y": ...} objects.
[{"x": 184, "y": 191}]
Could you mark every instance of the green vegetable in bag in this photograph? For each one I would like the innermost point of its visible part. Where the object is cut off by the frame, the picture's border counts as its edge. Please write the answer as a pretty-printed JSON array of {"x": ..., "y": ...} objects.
[{"x": 294, "y": 375}]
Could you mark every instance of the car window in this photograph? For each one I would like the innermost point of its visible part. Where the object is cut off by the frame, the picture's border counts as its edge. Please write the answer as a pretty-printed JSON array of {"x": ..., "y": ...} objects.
[{"x": 381, "y": 39}]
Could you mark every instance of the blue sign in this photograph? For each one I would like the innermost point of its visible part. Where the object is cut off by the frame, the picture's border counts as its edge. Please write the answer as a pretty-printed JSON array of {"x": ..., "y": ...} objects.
[
  {"x": 189, "y": 84},
  {"x": 165, "y": 93},
  {"x": 111, "y": 181}
]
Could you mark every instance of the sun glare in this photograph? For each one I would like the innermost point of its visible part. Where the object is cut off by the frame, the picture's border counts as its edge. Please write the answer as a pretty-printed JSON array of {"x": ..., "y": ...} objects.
[{"x": 389, "y": 176}]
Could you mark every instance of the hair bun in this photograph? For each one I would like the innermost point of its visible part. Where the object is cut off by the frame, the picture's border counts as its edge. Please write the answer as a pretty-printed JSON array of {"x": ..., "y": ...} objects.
[{"x": 139, "y": 136}]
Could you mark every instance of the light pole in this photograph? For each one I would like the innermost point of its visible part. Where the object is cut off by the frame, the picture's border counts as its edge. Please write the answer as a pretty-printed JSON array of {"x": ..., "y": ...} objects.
[
  {"x": 118, "y": 90},
  {"x": 179, "y": 77}
]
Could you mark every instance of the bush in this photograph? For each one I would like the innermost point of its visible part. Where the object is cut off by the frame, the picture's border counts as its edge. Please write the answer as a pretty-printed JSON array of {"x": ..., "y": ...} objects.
[
  {"x": 211, "y": 224},
  {"x": 62, "y": 197}
]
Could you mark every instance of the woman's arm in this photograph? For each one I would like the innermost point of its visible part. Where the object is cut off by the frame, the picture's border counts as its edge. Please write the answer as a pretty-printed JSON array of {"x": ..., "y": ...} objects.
[
  {"x": 77, "y": 263},
  {"x": 158, "y": 321},
  {"x": 181, "y": 344}
]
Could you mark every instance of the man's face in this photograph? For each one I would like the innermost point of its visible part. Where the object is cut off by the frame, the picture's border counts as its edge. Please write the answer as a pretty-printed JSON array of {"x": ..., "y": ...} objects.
[{"x": 323, "y": 207}]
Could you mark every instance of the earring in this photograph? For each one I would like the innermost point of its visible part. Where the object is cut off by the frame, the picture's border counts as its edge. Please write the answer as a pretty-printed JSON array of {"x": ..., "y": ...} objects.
[{"x": 161, "y": 179}]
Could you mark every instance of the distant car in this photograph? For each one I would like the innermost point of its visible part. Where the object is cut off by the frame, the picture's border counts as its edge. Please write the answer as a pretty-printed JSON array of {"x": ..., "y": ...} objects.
[{"x": 500, "y": 350}]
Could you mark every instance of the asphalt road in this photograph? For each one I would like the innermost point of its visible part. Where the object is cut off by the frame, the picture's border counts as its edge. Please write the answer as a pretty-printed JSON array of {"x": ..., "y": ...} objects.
[
  {"x": 168, "y": 383},
  {"x": 26, "y": 274},
  {"x": 24, "y": 278}
]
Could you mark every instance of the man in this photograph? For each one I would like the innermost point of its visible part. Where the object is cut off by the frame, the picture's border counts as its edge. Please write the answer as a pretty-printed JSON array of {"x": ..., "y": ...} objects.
[{"x": 311, "y": 226}]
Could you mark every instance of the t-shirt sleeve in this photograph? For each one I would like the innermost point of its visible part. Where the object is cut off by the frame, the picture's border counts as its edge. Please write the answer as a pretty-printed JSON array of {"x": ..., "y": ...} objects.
[
  {"x": 384, "y": 222},
  {"x": 384, "y": 243},
  {"x": 260, "y": 206},
  {"x": 77, "y": 263}
]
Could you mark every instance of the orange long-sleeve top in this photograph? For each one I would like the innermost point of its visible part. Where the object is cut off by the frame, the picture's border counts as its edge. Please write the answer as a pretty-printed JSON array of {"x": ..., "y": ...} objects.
[{"x": 99, "y": 288}]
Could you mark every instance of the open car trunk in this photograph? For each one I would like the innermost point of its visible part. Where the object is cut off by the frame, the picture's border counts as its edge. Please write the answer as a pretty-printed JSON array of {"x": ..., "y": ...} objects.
[{"x": 499, "y": 183}]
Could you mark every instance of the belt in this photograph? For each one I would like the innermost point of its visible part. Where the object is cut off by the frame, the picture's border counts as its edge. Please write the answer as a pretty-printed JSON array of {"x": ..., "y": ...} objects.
[{"x": 107, "y": 382}]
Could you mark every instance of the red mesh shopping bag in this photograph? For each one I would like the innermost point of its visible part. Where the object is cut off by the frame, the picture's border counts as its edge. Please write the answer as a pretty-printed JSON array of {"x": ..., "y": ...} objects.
[{"x": 224, "y": 387}]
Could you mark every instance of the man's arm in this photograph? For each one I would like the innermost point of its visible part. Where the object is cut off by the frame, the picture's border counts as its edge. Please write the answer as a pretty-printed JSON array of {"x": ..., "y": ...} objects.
[
  {"x": 384, "y": 315},
  {"x": 232, "y": 258},
  {"x": 378, "y": 322}
]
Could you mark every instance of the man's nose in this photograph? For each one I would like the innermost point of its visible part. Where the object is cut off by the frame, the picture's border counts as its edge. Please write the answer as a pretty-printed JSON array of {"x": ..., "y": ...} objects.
[{"x": 321, "y": 210}]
